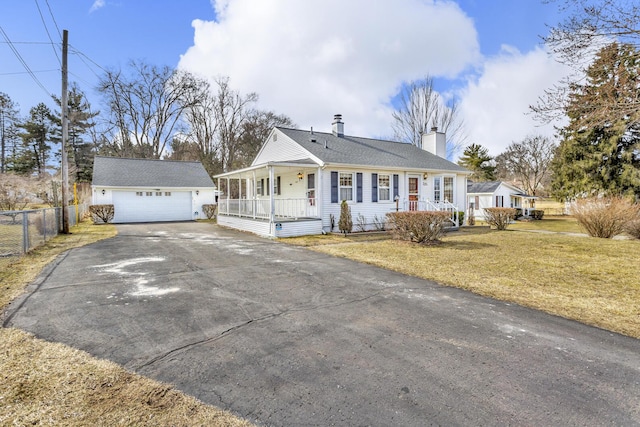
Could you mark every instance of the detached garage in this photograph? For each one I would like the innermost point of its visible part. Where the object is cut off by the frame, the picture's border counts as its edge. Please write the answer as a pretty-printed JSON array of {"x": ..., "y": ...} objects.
[{"x": 145, "y": 190}]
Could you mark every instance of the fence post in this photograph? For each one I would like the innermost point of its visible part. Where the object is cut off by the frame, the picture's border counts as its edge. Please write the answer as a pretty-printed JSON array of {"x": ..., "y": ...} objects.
[
  {"x": 25, "y": 233},
  {"x": 44, "y": 225}
]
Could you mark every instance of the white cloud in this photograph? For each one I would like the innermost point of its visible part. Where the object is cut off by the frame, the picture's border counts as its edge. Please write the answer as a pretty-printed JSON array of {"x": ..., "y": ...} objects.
[
  {"x": 495, "y": 105},
  {"x": 314, "y": 58},
  {"x": 96, "y": 5}
]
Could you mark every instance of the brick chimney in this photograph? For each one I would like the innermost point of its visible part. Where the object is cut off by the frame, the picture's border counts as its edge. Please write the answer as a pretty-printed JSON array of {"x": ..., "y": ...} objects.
[
  {"x": 435, "y": 142},
  {"x": 337, "y": 127}
]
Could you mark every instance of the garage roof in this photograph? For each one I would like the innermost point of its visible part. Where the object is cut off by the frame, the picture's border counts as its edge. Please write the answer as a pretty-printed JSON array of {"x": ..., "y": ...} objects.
[{"x": 124, "y": 172}]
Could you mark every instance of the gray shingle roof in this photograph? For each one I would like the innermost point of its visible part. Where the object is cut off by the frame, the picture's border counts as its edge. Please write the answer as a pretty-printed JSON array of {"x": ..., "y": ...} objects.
[
  {"x": 352, "y": 150},
  {"x": 123, "y": 172},
  {"x": 483, "y": 187}
]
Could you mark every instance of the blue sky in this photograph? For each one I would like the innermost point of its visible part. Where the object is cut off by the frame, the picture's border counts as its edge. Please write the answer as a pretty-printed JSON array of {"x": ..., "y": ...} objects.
[{"x": 308, "y": 60}]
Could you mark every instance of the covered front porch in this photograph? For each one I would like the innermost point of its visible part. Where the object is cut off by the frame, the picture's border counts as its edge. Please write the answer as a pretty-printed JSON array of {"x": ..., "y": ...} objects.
[{"x": 276, "y": 199}]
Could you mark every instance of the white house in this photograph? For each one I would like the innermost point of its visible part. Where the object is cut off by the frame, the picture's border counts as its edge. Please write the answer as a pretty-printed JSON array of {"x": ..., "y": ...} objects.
[
  {"x": 497, "y": 194},
  {"x": 146, "y": 190},
  {"x": 298, "y": 179}
]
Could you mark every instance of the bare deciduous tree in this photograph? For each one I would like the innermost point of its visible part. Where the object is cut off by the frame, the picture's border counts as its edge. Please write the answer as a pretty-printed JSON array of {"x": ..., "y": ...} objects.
[
  {"x": 422, "y": 108},
  {"x": 528, "y": 162},
  {"x": 145, "y": 108}
]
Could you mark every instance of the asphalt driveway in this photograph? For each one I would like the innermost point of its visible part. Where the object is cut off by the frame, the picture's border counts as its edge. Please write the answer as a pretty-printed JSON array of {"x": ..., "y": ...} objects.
[{"x": 285, "y": 336}]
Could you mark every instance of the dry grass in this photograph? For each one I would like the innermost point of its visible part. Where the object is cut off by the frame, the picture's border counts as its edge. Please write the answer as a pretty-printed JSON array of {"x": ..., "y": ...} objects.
[
  {"x": 558, "y": 224},
  {"x": 44, "y": 383},
  {"x": 589, "y": 280}
]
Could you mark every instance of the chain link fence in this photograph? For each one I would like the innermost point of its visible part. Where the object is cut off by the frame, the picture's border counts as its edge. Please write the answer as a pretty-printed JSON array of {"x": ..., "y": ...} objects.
[{"x": 22, "y": 231}]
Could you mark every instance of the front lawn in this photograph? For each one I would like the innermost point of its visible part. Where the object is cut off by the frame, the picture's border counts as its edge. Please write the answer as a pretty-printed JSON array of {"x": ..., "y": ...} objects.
[{"x": 594, "y": 281}]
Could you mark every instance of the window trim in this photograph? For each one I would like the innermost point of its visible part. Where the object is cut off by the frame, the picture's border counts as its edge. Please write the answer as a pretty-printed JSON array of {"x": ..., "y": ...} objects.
[{"x": 340, "y": 186}]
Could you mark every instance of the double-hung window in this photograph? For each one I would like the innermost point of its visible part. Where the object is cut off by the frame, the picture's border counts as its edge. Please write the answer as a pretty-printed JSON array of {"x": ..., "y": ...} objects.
[
  {"x": 437, "y": 190},
  {"x": 384, "y": 182},
  {"x": 346, "y": 186},
  {"x": 448, "y": 188}
]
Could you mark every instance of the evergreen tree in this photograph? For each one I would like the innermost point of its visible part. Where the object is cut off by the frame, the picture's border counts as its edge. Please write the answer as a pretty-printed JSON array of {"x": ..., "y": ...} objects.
[
  {"x": 36, "y": 142},
  {"x": 476, "y": 158},
  {"x": 345, "y": 223},
  {"x": 601, "y": 158},
  {"x": 9, "y": 121},
  {"x": 81, "y": 150}
]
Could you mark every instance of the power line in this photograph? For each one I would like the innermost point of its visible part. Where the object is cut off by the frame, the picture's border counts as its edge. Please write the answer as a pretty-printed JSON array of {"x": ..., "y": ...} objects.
[
  {"x": 82, "y": 54},
  {"x": 53, "y": 18},
  {"x": 23, "y": 62},
  {"x": 26, "y": 72},
  {"x": 46, "y": 29}
]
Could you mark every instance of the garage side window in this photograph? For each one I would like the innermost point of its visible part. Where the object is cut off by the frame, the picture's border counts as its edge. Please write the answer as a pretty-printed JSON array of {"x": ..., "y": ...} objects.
[{"x": 167, "y": 193}]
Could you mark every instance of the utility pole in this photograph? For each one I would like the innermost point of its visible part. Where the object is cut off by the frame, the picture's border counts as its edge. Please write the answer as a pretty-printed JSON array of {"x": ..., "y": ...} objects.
[{"x": 65, "y": 135}]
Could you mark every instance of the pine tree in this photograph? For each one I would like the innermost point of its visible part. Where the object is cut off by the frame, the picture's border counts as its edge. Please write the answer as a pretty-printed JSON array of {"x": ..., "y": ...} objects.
[
  {"x": 595, "y": 158},
  {"x": 36, "y": 142},
  {"x": 81, "y": 150},
  {"x": 345, "y": 223},
  {"x": 9, "y": 121},
  {"x": 476, "y": 158}
]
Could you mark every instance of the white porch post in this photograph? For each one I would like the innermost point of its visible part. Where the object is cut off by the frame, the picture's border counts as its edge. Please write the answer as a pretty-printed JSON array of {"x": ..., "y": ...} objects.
[
  {"x": 254, "y": 196},
  {"x": 272, "y": 207},
  {"x": 319, "y": 195}
]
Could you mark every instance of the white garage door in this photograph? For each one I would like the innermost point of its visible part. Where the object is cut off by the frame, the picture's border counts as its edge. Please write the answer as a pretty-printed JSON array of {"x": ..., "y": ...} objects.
[{"x": 152, "y": 206}]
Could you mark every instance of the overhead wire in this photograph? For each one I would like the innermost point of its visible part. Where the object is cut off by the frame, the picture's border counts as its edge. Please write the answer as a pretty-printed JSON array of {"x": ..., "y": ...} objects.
[
  {"x": 46, "y": 29},
  {"x": 22, "y": 61},
  {"x": 53, "y": 18}
]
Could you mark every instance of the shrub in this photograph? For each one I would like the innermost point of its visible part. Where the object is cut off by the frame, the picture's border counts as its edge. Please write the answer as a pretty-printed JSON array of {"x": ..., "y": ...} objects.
[
  {"x": 345, "y": 223},
  {"x": 418, "y": 226},
  {"x": 209, "y": 210},
  {"x": 633, "y": 227},
  {"x": 499, "y": 217},
  {"x": 361, "y": 223},
  {"x": 460, "y": 217},
  {"x": 518, "y": 213},
  {"x": 379, "y": 223},
  {"x": 604, "y": 217},
  {"x": 102, "y": 213},
  {"x": 536, "y": 213}
]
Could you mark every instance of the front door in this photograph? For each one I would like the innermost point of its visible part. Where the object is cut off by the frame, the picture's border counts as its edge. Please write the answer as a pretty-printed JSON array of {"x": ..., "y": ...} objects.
[{"x": 414, "y": 193}]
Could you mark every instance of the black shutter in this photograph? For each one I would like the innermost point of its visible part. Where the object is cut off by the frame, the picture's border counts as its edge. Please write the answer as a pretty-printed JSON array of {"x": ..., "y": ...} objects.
[
  {"x": 268, "y": 187},
  {"x": 374, "y": 187},
  {"x": 359, "y": 187},
  {"x": 334, "y": 187},
  {"x": 396, "y": 183},
  {"x": 278, "y": 185}
]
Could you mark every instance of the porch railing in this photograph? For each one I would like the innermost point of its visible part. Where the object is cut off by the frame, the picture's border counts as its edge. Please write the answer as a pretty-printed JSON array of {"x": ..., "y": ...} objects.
[
  {"x": 427, "y": 205},
  {"x": 259, "y": 208}
]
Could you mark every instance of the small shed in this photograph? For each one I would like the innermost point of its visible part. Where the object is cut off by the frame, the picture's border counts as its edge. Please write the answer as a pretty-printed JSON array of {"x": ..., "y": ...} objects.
[{"x": 148, "y": 190}]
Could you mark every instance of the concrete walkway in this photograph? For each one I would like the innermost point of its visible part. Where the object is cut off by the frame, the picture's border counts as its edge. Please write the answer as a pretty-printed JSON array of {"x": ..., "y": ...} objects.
[{"x": 285, "y": 336}]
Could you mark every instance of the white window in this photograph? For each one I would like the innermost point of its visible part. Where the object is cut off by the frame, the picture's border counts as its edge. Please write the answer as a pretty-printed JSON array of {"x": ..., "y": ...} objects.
[
  {"x": 436, "y": 189},
  {"x": 384, "y": 192},
  {"x": 167, "y": 193},
  {"x": 158, "y": 193},
  {"x": 149, "y": 193},
  {"x": 346, "y": 186},
  {"x": 138, "y": 193},
  {"x": 448, "y": 188}
]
